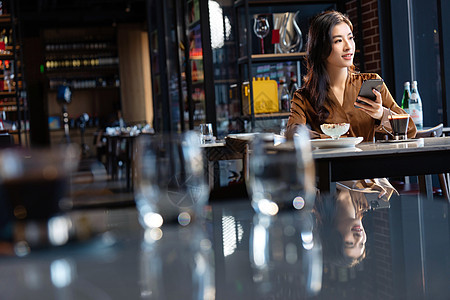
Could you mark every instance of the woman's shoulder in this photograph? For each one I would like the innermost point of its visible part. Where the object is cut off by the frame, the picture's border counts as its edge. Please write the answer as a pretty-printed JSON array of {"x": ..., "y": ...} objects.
[{"x": 301, "y": 93}]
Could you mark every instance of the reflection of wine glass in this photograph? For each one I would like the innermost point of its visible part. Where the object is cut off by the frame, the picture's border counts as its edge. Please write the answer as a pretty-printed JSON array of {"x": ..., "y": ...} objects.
[
  {"x": 176, "y": 263},
  {"x": 261, "y": 28},
  {"x": 285, "y": 256}
]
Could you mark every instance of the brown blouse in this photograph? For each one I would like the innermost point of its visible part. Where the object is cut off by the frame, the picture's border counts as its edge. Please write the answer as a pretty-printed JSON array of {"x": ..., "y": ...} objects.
[{"x": 361, "y": 124}]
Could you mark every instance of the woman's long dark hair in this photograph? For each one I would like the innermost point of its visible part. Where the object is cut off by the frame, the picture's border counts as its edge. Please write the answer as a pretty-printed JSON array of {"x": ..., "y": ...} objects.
[
  {"x": 318, "y": 48},
  {"x": 325, "y": 210}
]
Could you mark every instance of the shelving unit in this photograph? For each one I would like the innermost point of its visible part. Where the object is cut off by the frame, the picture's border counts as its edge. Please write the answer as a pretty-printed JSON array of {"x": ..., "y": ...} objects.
[
  {"x": 195, "y": 67},
  {"x": 253, "y": 64},
  {"x": 85, "y": 59},
  {"x": 13, "y": 104}
]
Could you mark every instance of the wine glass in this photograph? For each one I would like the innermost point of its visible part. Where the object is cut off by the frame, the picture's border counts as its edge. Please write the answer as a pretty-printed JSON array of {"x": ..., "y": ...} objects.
[
  {"x": 261, "y": 28},
  {"x": 206, "y": 133},
  {"x": 171, "y": 186}
]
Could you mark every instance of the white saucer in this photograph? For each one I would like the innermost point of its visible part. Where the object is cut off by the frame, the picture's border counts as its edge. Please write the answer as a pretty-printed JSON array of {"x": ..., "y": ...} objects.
[
  {"x": 346, "y": 142},
  {"x": 399, "y": 141}
]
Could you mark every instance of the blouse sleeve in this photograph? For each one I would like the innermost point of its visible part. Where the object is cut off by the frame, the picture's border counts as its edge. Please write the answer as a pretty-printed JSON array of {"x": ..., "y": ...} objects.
[{"x": 297, "y": 117}]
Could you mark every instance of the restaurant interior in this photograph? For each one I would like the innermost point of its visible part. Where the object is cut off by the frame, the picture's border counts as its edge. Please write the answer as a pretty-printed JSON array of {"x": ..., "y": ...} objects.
[{"x": 145, "y": 153}]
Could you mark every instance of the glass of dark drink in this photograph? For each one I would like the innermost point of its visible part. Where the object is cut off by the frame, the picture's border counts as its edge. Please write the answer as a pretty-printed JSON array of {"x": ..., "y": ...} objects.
[
  {"x": 399, "y": 124},
  {"x": 34, "y": 181}
]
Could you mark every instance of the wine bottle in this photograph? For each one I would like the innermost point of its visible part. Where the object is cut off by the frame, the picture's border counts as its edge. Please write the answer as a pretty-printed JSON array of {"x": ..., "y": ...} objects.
[
  {"x": 293, "y": 86},
  {"x": 406, "y": 97},
  {"x": 415, "y": 106},
  {"x": 283, "y": 96}
]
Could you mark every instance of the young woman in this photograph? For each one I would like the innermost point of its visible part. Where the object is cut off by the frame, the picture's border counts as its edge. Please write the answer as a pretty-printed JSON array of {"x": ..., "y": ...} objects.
[
  {"x": 329, "y": 95},
  {"x": 332, "y": 85}
]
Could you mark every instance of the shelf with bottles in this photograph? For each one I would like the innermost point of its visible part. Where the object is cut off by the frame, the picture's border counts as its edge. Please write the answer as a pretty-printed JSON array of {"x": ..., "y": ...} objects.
[
  {"x": 11, "y": 107},
  {"x": 80, "y": 63},
  {"x": 5, "y": 19},
  {"x": 55, "y": 48},
  {"x": 271, "y": 43},
  {"x": 12, "y": 126},
  {"x": 8, "y": 87},
  {"x": 99, "y": 82},
  {"x": 275, "y": 28}
]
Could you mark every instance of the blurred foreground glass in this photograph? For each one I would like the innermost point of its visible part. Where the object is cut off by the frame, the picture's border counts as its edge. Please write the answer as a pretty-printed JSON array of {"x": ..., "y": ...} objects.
[
  {"x": 34, "y": 182},
  {"x": 282, "y": 174},
  {"x": 171, "y": 185},
  {"x": 285, "y": 256}
]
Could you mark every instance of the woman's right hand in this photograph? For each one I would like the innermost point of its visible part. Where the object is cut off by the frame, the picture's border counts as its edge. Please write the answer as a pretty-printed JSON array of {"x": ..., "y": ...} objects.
[{"x": 372, "y": 108}]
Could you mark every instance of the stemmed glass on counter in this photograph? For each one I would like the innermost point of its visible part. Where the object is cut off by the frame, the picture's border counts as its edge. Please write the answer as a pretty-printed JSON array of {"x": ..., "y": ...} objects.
[
  {"x": 171, "y": 195},
  {"x": 281, "y": 174},
  {"x": 261, "y": 28},
  {"x": 171, "y": 186}
]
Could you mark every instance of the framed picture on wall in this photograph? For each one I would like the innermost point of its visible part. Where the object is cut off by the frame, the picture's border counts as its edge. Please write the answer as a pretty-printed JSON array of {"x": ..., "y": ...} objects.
[{"x": 54, "y": 122}]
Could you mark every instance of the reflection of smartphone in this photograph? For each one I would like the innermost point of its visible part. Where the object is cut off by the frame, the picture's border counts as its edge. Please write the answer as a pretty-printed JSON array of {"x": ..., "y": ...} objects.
[
  {"x": 367, "y": 87},
  {"x": 375, "y": 202}
]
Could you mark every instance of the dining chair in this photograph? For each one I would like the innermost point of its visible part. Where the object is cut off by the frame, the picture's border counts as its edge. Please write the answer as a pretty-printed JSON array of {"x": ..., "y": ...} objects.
[{"x": 437, "y": 131}]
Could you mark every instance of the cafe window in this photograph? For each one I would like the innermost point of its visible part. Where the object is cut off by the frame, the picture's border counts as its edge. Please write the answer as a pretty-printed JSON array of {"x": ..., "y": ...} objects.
[{"x": 421, "y": 51}]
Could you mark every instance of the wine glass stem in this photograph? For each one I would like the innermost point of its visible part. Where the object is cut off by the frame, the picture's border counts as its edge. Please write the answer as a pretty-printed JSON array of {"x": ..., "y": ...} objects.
[{"x": 262, "y": 45}]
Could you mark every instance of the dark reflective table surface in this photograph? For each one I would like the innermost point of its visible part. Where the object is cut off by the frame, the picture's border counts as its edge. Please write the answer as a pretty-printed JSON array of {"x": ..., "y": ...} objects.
[{"x": 234, "y": 254}]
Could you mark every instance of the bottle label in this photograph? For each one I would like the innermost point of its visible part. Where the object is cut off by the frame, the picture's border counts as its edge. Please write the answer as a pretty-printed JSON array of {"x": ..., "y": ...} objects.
[{"x": 416, "y": 115}]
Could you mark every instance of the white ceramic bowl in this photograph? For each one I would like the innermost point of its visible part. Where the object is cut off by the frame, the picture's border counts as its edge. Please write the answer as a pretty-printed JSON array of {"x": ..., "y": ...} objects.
[{"x": 335, "y": 130}]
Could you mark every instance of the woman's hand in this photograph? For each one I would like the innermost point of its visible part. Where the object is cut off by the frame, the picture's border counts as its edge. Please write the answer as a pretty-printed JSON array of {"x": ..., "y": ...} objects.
[{"x": 373, "y": 108}]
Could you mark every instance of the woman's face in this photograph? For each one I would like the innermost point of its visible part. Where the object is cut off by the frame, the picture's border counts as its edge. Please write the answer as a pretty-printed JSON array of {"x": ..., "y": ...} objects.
[
  {"x": 342, "y": 47},
  {"x": 354, "y": 237}
]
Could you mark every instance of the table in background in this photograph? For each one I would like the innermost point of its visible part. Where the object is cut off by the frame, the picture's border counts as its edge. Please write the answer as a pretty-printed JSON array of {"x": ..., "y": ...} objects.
[
  {"x": 376, "y": 160},
  {"x": 229, "y": 149}
]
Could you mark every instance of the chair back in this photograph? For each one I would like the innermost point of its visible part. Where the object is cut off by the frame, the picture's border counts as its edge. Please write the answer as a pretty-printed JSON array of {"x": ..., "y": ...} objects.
[{"x": 435, "y": 131}]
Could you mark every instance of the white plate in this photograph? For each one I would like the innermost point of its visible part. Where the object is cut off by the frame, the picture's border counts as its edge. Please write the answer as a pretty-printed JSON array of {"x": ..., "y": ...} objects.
[
  {"x": 339, "y": 143},
  {"x": 242, "y": 136},
  {"x": 250, "y": 136}
]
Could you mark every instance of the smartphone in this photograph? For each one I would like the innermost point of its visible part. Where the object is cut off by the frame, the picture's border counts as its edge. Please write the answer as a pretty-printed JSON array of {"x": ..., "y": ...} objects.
[{"x": 367, "y": 87}]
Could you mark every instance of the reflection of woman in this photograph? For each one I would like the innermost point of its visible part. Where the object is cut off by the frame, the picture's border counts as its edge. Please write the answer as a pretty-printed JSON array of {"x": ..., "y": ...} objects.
[
  {"x": 331, "y": 89},
  {"x": 339, "y": 224}
]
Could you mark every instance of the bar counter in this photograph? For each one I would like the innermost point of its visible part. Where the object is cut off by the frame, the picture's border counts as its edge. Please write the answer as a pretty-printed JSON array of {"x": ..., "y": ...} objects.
[{"x": 235, "y": 254}]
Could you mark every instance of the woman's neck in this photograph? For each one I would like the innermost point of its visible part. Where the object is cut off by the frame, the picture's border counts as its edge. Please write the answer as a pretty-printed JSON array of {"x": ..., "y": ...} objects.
[
  {"x": 338, "y": 76},
  {"x": 345, "y": 206}
]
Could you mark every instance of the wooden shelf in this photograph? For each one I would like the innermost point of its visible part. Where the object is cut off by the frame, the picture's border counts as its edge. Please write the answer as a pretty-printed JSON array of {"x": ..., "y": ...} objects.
[
  {"x": 5, "y": 19},
  {"x": 258, "y": 58},
  {"x": 7, "y": 94},
  {"x": 272, "y": 116}
]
